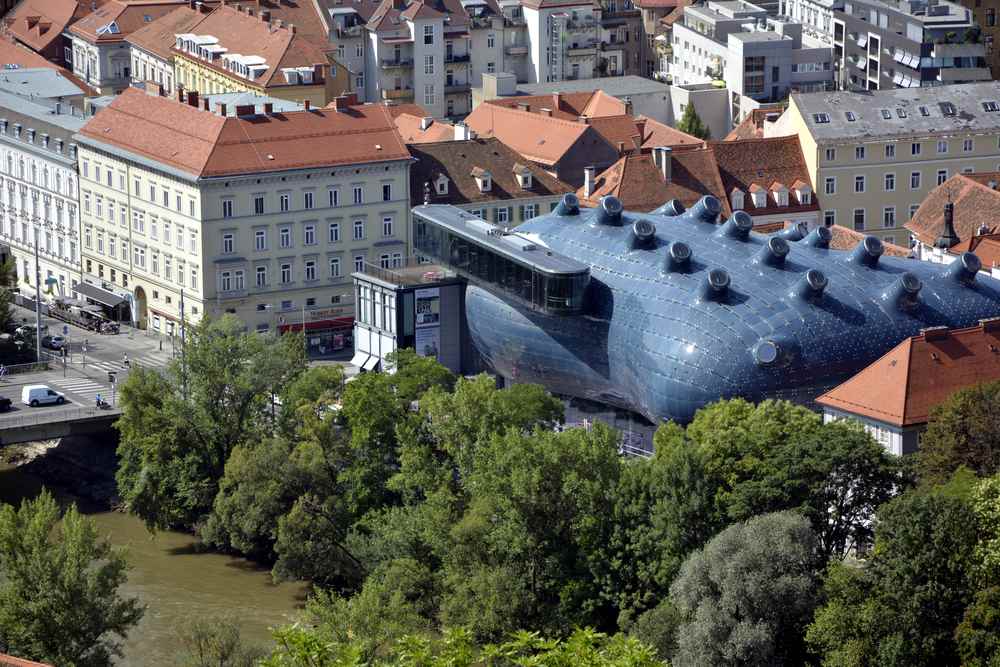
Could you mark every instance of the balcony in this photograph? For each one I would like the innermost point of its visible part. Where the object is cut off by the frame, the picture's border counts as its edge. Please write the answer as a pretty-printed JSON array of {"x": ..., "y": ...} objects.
[
  {"x": 481, "y": 22},
  {"x": 397, "y": 93},
  {"x": 350, "y": 31},
  {"x": 394, "y": 63},
  {"x": 514, "y": 21},
  {"x": 958, "y": 51},
  {"x": 955, "y": 74},
  {"x": 582, "y": 50},
  {"x": 457, "y": 58},
  {"x": 456, "y": 87},
  {"x": 516, "y": 50}
]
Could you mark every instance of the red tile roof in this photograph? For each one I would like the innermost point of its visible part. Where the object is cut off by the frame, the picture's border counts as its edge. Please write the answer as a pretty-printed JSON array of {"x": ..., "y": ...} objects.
[
  {"x": 903, "y": 386},
  {"x": 639, "y": 184},
  {"x": 986, "y": 247},
  {"x": 752, "y": 127},
  {"x": 409, "y": 129},
  {"x": 976, "y": 205},
  {"x": 39, "y": 23},
  {"x": 13, "y": 53},
  {"x": 657, "y": 134},
  {"x": 766, "y": 163},
  {"x": 568, "y": 106},
  {"x": 203, "y": 144},
  {"x": 158, "y": 37},
  {"x": 539, "y": 138},
  {"x": 126, "y": 16},
  {"x": 11, "y": 661},
  {"x": 303, "y": 14},
  {"x": 845, "y": 238}
]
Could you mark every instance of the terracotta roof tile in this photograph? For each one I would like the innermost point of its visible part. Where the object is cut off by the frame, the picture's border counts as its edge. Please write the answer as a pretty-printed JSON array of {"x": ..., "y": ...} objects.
[
  {"x": 126, "y": 16},
  {"x": 39, "y": 23},
  {"x": 986, "y": 247},
  {"x": 538, "y": 138},
  {"x": 657, "y": 134},
  {"x": 158, "y": 37},
  {"x": 902, "y": 387},
  {"x": 409, "y": 129},
  {"x": 976, "y": 205},
  {"x": 203, "y": 144},
  {"x": 639, "y": 184},
  {"x": 845, "y": 238},
  {"x": 601, "y": 104},
  {"x": 568, "y": 106},
  {"x": 13, "y": 53},
  {"x": 11, "y": 661},
  {"x": 762, "y": 162},
  {"x": 459, "y": 159},
  {"x": 304, "y": 15}
]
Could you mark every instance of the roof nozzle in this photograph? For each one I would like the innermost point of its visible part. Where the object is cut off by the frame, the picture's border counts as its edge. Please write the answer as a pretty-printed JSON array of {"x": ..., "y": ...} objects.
[
  {"x": 773, "y": 252},
  {"x": 671, "y": 208},
  {"x": 796, "y": 232},
  {"x": 716, "y": 285},
  {"x": 678, "y": 256},
  {"x": 818, "y": 238},
  {"x": 738, "y": 226},
  {"x": 707, "y": 209},
  {"x": 609, "y": 211},
  {"x": 643, "y": 234},
  {"x": 867, "y": 252},
  {"x": 568, "y": 205},
  {"x": 964, "y": 269},
  {"x": 767, "y": 352},
  {"x": 905, "y": 292},
  {"x": 811, "y": 286}
]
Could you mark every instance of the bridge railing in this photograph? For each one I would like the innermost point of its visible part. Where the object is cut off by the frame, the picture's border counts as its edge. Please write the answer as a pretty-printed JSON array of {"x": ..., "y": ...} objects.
[
  {"x": 33, "y": 367},
  {"x": 38, "y": 417}
]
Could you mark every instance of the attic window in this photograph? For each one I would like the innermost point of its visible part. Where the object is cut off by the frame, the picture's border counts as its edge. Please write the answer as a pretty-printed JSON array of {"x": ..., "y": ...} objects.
[
  {"x": 901, "y": 112},
  {"x": 851, "y": 117},
  {"x": 886, "y": 114},
  {"x": 759, "y": 197},
  {"x": 947, "y": 108},
  {"x": 484, "y": 179},
  {"x": 441, "y": 185},
  {"x": 781, "y": 197},
  {"x": 821, "y": 117},
  {"x": 146, "y": 18},
  {"x": 524, "y": 178},
  {"x": 736, "y": 199},
  {"x": 804, "y": 195},
  {"x": 990, "y": 106},
  {"x": 924, "y": 111}
]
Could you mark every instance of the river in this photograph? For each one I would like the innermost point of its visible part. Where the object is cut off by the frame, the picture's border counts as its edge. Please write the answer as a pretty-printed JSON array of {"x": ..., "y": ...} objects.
[{"x": 177, "y": 582}]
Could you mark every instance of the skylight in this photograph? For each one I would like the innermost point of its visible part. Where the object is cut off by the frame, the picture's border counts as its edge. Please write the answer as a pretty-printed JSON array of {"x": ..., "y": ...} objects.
[
  {"x": 851, "y": 117},
  {"x": 947, "y": 108},
  {"x": 924, "y": 111},
  {"x": 901, "y": 112},
  {"x": 990, "y": 106},
  {"x": 821, "y": 117},
  {"x": 886, "y": 114}
]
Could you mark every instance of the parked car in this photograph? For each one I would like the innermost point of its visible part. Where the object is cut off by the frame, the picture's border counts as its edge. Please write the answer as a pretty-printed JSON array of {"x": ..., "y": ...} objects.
[
  {"x": 5, "y": 404},
  {"x": 28, "y": 330},
  {"x": 40, "y": 394},
  {"x": 53, "y": 342}
]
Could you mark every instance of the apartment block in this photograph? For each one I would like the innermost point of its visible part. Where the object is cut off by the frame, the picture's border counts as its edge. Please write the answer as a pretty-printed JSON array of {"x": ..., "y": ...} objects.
[
  {"x": 151, "y": 47},
  {"x": 259, "y": 214},
  {"x": 875, "y": 155}
]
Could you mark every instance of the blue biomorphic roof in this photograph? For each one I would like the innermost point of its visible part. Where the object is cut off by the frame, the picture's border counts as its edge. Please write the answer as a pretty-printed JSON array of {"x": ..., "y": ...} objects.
[{"x": 681, "y": 311}]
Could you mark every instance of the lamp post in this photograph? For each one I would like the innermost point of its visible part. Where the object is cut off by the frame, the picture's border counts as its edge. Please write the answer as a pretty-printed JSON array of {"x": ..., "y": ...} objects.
[{"x": 36, "y": 223}]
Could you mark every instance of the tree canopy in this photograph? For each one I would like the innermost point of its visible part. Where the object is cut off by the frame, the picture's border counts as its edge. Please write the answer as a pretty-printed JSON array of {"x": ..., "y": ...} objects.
[{"x": 964, "y": 431}]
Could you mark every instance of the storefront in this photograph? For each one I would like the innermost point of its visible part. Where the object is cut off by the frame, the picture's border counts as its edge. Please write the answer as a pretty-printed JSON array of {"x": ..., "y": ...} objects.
[{"x": 327, "y": 330}]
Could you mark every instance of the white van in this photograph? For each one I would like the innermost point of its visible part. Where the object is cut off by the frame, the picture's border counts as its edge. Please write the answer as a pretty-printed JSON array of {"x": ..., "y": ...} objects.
[{"x": 39, "y": 394}]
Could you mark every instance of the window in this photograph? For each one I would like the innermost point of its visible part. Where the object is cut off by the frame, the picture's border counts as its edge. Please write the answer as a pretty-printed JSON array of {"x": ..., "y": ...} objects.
[
  {"x": 359, "y": 194},
  {"x": 428, "y": 34},
  {"x": 166, "y": 232},
  {"x": 240, "y": 279},
  {"x": 990, "y": 106},
  {"x": 889, "y": 216},
  {"x": 334, "y": 197},
  {"x": 258, "y": 204},
  {"x": 859, "y": 219},
  {"x": 530, "y": 211},
  {"x": 830, "y": 185},
  {"x": 359, "y": 263},
  {"x": 283, "y": 202},
  {"x": 942, "y": 176},
  {"x": 829, "y": 218},
  {"x": 165, "y": 195},
  {"x": 428, "y": 64},
  {"x": 859, "y": 152},
  {"x": 139, "y": 257},
  {"x": 138, "y": 222},
  {"x": 334, "y": 267},
  {"x": 177, "y": 203},
  {"x": 310, "y": 269},
  {"x": 285, "y": 237},
  {"x": 915, "y": 148},
  {"x": 387, "y": 192},
  {"x": 193, "y": 241},
  {"x": 260, "y": 239},
  {"x": 890, "y": 182},
  {"x": 886, "y": 114},
  {"x": 227, "y": 244},
  {"x": 849, "y": 115},
  {"x": 831, "y": 154},
  {"x": 309, "y": 235},
  {"x": 491, "y": 67},
  {"x": 890, "y": 151},
  {"x": 968, "y": 146},
  {"x": 913, "y": 210},
  {"x": 859, "y": 183},
  {"x": 194, "y": 282},
  {"x": 334, "y": 232},
  {"x": 260, "y": 278},
  {"x": 818, "y": 118},
  {"x": 226, "y": 281},
  {"x": 942, "y": 146},
  {"x": 384, "y": 261},
  {"x": 429, "y": 94},
  {"x": 359, "y": 230},
  {"x": 307, "y": 199},
  {"x": 503, "y": 214},
  {"x": 152, "y": 193},
  {"x": 915, "y": 180},
  {"x": 286, "y": 273},
  {"x": 227, "y": 208},
  {"x": 387, "y": 226}
]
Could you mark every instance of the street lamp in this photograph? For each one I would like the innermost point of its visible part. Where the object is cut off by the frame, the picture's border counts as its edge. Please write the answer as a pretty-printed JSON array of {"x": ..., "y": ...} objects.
[{"x": 36, "y": 224}]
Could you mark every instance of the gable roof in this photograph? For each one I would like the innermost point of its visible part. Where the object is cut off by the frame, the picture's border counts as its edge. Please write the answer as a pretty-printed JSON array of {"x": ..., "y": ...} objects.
[
  {"x": 458, "y": 159},
  {"x": 539, "y": 138},
  {"x": 303, "y": 14},
  {"x": 158, "y": 37},
  {"x": 976, "y": 204},
  {"x": 202, "y": 144},
  {"x": 986, "y": 247},
  {"x": 902, "y": 387},
  {"x": 766, "y": 163},
  {"x": 567, "y": 106},
  {"x": 408, "y": 126},
  {"x": 11, "y": 661},
  {"x": 39, "y": 23},
  {"x": 845, "y": 238},
  {"x": 639, "y": 184},
  {"x": 116, "y": 19}
]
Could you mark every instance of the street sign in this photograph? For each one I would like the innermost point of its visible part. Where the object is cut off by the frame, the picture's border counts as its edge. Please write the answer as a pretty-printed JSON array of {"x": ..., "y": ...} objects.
[
  {"x": 112, "y": 377},
  {"x": 65, "y": 329}
]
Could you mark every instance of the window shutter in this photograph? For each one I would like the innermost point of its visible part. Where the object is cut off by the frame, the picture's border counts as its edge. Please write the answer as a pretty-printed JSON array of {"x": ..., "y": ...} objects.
[
  {"x": 496, "y": 214},
  {"x": 521, "y": 212}
]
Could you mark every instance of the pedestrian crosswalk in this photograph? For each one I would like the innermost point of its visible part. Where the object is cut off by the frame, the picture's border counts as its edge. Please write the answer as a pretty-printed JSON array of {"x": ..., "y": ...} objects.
[
  {"x": 83, "y": 389},
  {"x": 118, "y": 366}
]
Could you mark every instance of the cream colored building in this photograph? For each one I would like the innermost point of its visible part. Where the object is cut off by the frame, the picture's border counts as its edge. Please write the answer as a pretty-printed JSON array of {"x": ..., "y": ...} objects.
[
  {"x": 266, "y": 222},
  {"x": 873, "y": 156}
]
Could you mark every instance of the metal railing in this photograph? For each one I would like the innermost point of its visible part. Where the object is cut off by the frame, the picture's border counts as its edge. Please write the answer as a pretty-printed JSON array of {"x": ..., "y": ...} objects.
[
  {"x": 15, "y": 369},
  {"x": 39, "y": 416}
]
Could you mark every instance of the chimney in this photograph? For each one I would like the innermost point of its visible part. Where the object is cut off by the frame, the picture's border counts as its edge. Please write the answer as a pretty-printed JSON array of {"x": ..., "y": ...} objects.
[
  {"x": 556, "y": 100},
  {"x": 462, "y": 132},
  {"x": 220, "y": 108},
  {"x": 342, "y": 102},
  {"x": 621, "y": 148},
  {"x": 640, "y": 126},
  {"x": 663, "y": 158},
  {"x": 249, "y": 11},
  {"x": 191, "y": 4},
  {"x": 935, "y": 333},
  {"x": 265, "y": 15},
  {"x": 583, "y": 119},
  {"x": 637, "y": 142},
  {"x": 269, "y": 107},
  {"x": 306, "y": 104},
  {"x": 153, "y": 89},
  {"x": 192, "y": 98},
  {"x": 628, "y": 107},
  {"x": 948, "y": 236},
  {"x": 588, "y": 180},
  {"x": 426, "y": 122},
  {"x": 545, "y": 111},
  {"x": 291, "y": 27},
  {"x": 318, "y": 70}
]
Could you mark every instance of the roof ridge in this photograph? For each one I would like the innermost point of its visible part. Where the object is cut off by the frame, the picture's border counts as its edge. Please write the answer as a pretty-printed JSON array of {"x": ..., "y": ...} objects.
[
  {"x": 551, "y": 119},
  {"x": 906, "y": 380}
]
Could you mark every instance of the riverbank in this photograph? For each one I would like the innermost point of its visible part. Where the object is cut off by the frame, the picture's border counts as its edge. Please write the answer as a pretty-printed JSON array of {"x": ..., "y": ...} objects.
[{"x": 170, "y": 574}]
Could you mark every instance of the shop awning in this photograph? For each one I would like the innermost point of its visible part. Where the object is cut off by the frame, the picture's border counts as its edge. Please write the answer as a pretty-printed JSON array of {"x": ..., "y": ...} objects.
[
  {"x": 371, "y": 364},
  {"x": 319, "y": 325},
  {"x": 360, "y": 359},
  {"x": 99, "y": 294}
]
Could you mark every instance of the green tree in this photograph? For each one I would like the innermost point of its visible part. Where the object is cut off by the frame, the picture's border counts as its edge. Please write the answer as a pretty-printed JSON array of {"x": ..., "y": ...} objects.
[
  {"x": 178, "y": 430},
  {"x": 747, "y": 596},
  {"x": 60, "y": 598},
  {"x": 657, "y": 628},
  {"x": 216, "y": 642},
  {"x": 903, "y": 606},
  {"x": 964, "y": 430},
  {"x": 692, "y": 124},
  {"x": 978, "y": 635}
]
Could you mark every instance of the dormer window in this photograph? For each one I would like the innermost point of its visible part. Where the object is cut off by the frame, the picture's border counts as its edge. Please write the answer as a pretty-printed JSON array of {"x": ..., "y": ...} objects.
[
  {"x": 441, "y": 185},
  {"x": 524, "y": 176},
  {"x": 758, "y": 195},
  {"x": 31, "y": 136},
  {"x": 803, "y": 193},
  {"x": 736, "y": 199},
  {"x": 780, "y": 194},
  {"x": 484, "y": 179}
]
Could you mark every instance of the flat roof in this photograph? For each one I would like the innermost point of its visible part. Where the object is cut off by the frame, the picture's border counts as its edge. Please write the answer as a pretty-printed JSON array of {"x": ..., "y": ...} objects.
[
  {"x": 515, "y": 246},
  {"x": 37, "y": 82},
  {"x": 612, "y": 85},
  {"x": 911, "y": 111}
]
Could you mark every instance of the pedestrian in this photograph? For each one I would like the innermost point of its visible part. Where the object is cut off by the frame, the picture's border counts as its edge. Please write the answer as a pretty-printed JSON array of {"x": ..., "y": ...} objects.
[
  {"x": 125, "y": 361},
  {"x": 3, "y": 371},
  {"x": 98, "y": 399}
]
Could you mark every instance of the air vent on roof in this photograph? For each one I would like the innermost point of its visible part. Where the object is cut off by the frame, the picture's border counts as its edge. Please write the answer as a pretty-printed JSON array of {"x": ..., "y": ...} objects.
[
  {"x": 924, "y": 111},
  {"x": 851, "y": 117},
  {"x": 990, "y": 106},
  {"x": 947, "y": 108},
  {"x": 901, "y": 112},
  {"x": 821, "y": 117},
  {"x": 11, "y": 66},
  {"x": 886, "y": 114}
]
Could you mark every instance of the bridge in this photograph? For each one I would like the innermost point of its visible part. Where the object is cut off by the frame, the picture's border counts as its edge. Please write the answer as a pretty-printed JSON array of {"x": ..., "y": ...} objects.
[{"x": 51, "y": 424}]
